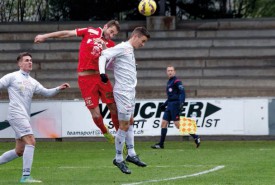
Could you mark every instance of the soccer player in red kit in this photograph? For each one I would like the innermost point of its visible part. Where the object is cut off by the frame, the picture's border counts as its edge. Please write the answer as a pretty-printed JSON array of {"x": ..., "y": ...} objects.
[{"x": 94, "y": 40}]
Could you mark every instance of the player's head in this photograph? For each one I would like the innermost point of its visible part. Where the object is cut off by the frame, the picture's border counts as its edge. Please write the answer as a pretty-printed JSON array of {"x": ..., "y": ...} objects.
[
  {"x": 24, "y": 61},
  {"x": 171, "y": 71},
  {"x": 139, "y": 37},
  {"x": 111, "y": 29}
]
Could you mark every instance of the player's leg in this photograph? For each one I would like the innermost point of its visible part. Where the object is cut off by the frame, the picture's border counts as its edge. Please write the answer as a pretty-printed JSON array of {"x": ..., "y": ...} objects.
[
  {"x": 163, "y": 133},
  {"x": 28, "y": 143},
  {"x": 164, "y": 124},
  {"x": 113, "y": 112},
  {"x": 98, "y": 120},
  {"x": 18, "y": 150},
  {"x": 124, "y": 115},
  {"x": 119, "y": 143},
  {"x": 25, "y": 145},
  {"x": 89, "y": 87},
  {"x": 130, "y": 143},
  {"x": 197, "y": 139},
  {"x": 106, "y": 94},
  {"x": 9, "y": 156}
]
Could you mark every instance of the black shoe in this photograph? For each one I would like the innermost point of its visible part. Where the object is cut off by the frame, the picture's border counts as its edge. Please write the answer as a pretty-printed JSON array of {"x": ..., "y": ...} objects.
[
  {"x": 198, "y": 141},
  {"x": 122, "y": 166},
  {"x": 157, "y": 146},
  {"x": 135, "y": 160}
]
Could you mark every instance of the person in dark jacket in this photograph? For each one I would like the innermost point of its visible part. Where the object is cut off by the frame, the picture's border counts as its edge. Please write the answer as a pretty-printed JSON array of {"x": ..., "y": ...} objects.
[{"x": 173, "y": 106}]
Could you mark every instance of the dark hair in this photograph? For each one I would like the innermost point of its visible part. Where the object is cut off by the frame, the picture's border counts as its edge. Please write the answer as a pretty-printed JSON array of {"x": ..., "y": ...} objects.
[
  {"x": 21, "y": 55},
  {"x": 113, "y": 23},
  {"x": 141, "y": 31}
]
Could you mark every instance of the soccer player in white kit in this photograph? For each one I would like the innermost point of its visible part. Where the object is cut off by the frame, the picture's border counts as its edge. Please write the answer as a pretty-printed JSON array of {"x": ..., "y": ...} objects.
[
  {"x": 21, "y": 87},
  {"x": 124, "y": 63}
]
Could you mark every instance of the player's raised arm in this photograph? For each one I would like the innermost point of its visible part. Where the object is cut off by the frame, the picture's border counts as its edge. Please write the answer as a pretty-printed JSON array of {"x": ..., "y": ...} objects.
[{"x": 57, "y": 34}]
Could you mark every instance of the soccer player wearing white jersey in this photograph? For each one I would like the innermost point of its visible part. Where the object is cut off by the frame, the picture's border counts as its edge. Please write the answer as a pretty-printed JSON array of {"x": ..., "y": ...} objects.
[
  {"x": 21, "y": 87},
  {"x": 125, "y": 74}
]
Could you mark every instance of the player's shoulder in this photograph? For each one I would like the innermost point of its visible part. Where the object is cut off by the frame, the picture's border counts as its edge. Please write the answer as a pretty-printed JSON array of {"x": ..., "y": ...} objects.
[
  {"x": 12, "y": 74},
  {"x": 177, "y": 80},
  {"x": 90, "y": 30},
  {"x": 111, "y": 43}
]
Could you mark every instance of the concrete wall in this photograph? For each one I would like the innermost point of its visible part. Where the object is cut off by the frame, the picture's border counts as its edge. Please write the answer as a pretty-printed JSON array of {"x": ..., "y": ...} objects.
[{"x": 216, "y": 58}]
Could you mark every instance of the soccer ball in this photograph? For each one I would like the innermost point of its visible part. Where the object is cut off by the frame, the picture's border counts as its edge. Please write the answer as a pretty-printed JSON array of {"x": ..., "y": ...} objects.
[{"x": 147, "y": 7}]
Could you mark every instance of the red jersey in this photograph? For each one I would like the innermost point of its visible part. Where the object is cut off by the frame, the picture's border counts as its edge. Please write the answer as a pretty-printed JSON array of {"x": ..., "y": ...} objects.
[{"x": 89, "y": 50}]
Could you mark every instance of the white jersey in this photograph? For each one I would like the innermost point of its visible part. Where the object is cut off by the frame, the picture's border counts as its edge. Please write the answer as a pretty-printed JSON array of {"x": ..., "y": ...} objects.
[
  {"x": 21, "y": 87},
  {"x": 124, "y": 66}
]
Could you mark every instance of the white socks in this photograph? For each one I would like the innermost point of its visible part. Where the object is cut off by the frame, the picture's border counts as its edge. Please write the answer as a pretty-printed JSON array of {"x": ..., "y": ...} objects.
[
  {"x": 8, "y": 156},
  {"x": 130, "y": 141},
  {"x": 27, "y": 159},
  {"x": 119, "y": 142}
]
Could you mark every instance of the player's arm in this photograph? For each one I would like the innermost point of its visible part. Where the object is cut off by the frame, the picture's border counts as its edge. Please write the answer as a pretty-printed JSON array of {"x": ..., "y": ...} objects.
[
  {"x": 164, "y": 105},
  {"x": 40, "y": 89},
  {"x": 102, "y": 63},
  {"x": 5, "y": 81},
  {"x": 102, "y": 42},
  {"x": 57, "y": 34},
  {"x": 182, "y": 94},
  {"x": 106, "y": 55}
]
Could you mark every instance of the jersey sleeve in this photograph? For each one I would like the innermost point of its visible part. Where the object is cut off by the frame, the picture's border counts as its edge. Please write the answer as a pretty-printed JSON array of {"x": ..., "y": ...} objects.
[
  {"x": 109, "y": 55},
  {"x": 96, "y": 32},
  {"x": 80, "y": 32},
  {"x": 112, "y": 53},
  {"x": 5, "y": 81},
  {"x": 181, "y": 91},
  {"x": 40, "y": 89}
]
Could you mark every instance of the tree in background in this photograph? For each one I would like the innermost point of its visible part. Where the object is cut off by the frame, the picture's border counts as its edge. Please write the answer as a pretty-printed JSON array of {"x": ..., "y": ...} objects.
[
  {"x": 85, "y": 10},
  {"x": 214, "y": 9}
]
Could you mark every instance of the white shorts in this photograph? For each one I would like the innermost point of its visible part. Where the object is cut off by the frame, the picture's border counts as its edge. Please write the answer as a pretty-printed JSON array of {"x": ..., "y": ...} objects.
[
  {"x": 21, "y": 127},
  {"x": 125, "y": 102}
]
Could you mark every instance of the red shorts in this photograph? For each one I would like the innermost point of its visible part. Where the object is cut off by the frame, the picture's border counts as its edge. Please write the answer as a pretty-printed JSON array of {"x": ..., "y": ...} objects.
[{"x": 92, "y": 88}]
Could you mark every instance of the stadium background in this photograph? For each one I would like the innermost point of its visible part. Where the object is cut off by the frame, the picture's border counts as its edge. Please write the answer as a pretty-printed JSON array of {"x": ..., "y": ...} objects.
[{"x": 215, "y": 58}]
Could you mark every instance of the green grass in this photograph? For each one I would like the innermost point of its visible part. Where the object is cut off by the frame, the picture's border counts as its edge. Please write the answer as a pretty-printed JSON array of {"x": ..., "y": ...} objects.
[{"x": 245, "y": 163}]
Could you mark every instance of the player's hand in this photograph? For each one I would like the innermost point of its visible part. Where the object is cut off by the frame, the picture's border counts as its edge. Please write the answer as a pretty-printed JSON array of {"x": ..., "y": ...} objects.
[
  {"x": 163, "y": 107},
  {"x": 39, "y": 38},
  {"x": 181, "y": 107},
  {"x": 64, "y": 86},
  {"x": 100, "y": 41},
  {"x": 104, "y": 78}
]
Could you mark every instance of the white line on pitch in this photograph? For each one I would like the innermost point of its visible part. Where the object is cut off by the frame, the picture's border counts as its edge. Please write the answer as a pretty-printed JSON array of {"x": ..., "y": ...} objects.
[{"x": 179, "y": 177}]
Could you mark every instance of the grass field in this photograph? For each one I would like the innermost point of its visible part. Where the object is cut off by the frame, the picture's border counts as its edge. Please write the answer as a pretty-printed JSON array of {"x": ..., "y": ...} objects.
[{"x": 214, "y": 163}]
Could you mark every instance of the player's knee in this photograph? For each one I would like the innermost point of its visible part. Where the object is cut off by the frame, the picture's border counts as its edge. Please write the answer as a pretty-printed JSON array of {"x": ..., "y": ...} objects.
[
  {"x": 124, "y": 125},
  {"x": 19, "y": 151},
  {"x": 132, "y": 121},
  {"x": 112, "y": 108},
  {"x": 164, "y": 124}
]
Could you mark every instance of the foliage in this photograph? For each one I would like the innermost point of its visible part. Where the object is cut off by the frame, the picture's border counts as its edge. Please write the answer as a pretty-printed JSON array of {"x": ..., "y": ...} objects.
[
  {"x": 85, "y": 10},
  {"x": 22, "y": 10},
  {"x": 214, "y": 9}
]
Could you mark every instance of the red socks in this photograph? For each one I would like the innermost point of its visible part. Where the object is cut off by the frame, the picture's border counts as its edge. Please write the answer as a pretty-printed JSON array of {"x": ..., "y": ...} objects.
[{"x": 99, "y": 123}]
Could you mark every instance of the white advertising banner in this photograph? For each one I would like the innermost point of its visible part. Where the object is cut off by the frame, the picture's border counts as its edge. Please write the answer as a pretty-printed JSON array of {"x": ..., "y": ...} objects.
[
  {"x": 214, "y": 117},
  {"x": 46, "y": 120},
  {"x": 55, "y": 119}
]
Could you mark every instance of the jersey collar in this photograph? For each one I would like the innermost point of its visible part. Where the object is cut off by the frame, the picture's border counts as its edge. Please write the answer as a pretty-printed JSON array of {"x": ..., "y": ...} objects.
[{"x": 24, "y": 73}]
